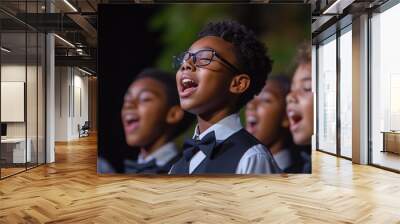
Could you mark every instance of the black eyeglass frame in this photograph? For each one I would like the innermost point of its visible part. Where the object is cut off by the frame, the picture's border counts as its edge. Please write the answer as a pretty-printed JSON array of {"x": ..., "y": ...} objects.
[{"x": 180, "y": 59}]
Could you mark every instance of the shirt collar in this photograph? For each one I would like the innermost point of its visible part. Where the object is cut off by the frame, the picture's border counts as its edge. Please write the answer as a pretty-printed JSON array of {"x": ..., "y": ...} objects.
[
  {"x": 162, "y": 155},
  {"x": 222, "y": 129},
  {"x": 283, "y": 158}
]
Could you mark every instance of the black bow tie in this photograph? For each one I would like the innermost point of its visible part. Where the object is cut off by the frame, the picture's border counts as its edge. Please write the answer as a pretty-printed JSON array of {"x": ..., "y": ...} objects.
[
  {"x": 206, "y": 145},
  {"x": 134, "y": 167}
]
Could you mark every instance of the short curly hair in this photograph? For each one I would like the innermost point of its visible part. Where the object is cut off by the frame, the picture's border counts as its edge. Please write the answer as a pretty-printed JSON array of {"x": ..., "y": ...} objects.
[
  {"x": 249, "y": 51},
  {"x": 303, "y": 53}
]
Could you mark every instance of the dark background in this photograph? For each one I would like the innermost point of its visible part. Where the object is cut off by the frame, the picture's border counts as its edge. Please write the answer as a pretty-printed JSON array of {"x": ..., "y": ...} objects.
[
  {"x": 133, "y": 37},
  {"x": 125, "y": 48}
]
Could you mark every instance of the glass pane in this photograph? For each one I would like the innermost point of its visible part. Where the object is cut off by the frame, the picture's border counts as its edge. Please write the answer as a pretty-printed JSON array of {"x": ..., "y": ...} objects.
[
  {"x": 31, "y": 84},
  {"x": 327, "y": 96},
  {"x": 13, "y": 88},
  {"x": 31, "y": 97},
  {"x": 385, "y": 86},
  {"x": 41, "y": 98},
  {"x": 346, "y": 94}
]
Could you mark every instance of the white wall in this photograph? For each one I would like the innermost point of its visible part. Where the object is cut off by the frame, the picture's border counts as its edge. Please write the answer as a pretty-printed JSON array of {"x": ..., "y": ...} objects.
[
  {"x": 16, "y": 72},
  {"x": 71, "y": 102},
  {"x": 13, "y": 73},
  {"x": 61, "y": 103},
  {"x": 80, "y": 110}
]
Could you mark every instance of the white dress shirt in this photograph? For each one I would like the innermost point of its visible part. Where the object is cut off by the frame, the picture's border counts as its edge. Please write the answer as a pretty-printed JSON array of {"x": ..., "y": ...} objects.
[
  {"x": 254, "y": 161},
  {"x": 162, "y": 155}
]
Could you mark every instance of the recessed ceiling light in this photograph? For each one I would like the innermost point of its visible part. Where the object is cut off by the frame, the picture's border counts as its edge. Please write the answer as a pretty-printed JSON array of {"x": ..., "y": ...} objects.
[
  {"x": 5, "y": 50},
  {"x": 84, "y": 71},
  {"x": 338, "y": 6},
  {"x": 70, "y": 5},
  {"x": 64, "y": 40}
]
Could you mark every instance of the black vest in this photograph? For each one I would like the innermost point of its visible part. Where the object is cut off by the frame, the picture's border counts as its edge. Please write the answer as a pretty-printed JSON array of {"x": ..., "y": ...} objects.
[
  {"x": 301, "y": 160},
  {"x": 224, "y": 158}
]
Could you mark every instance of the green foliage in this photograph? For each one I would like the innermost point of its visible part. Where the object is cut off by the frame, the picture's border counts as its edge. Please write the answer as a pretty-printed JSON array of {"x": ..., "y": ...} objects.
[
  {"x": 284, "y": 28},
  {"x": 180, "y": 25}
]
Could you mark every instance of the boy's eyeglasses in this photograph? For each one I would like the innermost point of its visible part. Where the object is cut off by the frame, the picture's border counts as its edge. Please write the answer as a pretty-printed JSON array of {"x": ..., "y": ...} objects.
[{"x": 201, "y": 58}]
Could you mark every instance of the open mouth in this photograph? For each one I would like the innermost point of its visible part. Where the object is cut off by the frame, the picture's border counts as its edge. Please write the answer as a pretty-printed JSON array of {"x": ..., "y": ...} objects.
[
  {"x": 294, "y": 118},
  {"x": 188, "y": 86},
  {"x": 131, "y": 122},
  {"x": 251, "y": 124}
]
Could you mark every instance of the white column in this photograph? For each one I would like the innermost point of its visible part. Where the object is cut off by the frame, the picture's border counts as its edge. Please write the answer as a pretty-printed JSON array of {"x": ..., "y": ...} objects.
[
  {"x": 50, "y": 99},
  {"x": 360, "y": 90},
  {"x": 50, "y": 93}
]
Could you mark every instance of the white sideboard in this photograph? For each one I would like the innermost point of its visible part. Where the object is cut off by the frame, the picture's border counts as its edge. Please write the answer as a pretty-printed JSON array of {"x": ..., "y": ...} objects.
[{"x": 17, "y": 145}]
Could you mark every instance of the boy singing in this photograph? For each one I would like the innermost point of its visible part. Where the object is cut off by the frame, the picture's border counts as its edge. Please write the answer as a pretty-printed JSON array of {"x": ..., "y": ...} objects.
[{"x": 217, "y": 76}]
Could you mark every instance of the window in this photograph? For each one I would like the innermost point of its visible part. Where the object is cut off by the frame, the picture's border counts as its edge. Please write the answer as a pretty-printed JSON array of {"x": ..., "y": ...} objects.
[
  {"x": 385, "y": 88},
  {"x": 22, "y": 77},
  {"x": 327, "y": 95},
  {"x": 345, "y": 42}
]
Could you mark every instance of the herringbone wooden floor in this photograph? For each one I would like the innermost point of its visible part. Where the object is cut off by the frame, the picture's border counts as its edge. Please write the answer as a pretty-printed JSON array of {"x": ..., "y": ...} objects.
[{"x": 70, "y": 191}]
